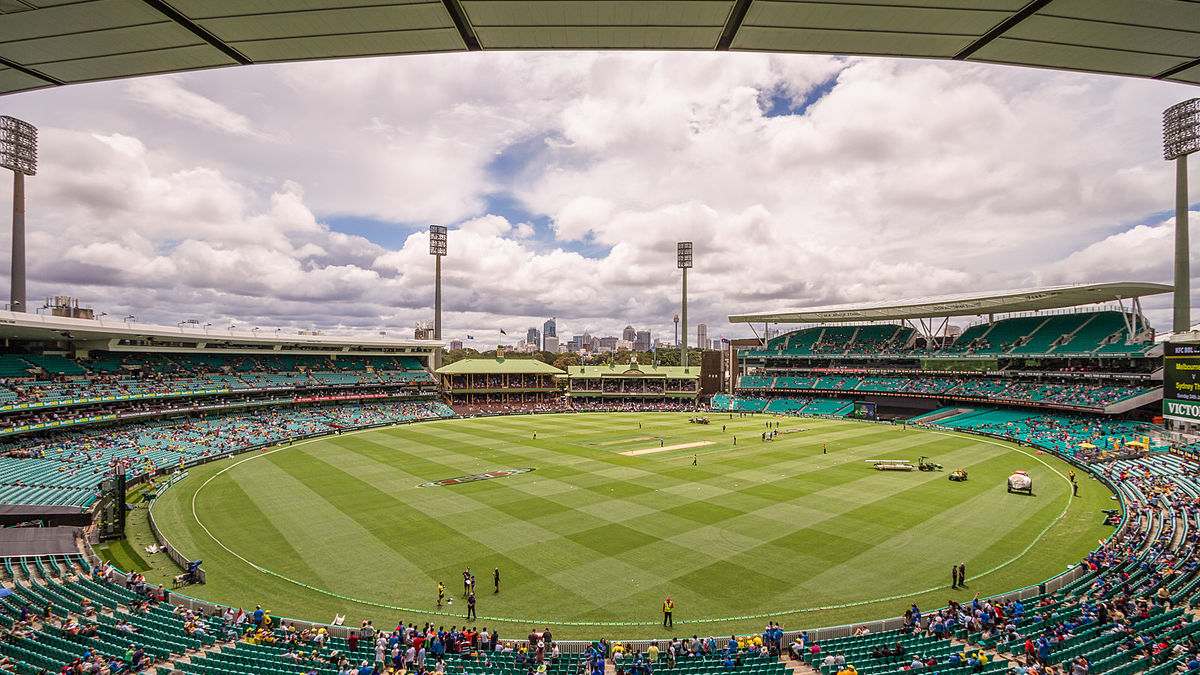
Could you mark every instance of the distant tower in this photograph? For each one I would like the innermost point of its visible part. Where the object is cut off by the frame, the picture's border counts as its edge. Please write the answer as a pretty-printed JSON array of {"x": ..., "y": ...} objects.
[
  {"x": 549, "y": 330},
  {"x": 702, "y": 336},
  {"x": 629, "y": 334}
]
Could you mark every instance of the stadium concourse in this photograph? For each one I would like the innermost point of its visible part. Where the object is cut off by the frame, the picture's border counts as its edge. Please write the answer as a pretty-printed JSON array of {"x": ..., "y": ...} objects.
[{"x": 87, "y": 403}]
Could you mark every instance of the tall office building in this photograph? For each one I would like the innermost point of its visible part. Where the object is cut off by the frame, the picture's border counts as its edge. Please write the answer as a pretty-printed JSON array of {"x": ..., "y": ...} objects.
[
  {"x": 550, "y": 328},
  {"x": 533, "y": 336},
  {"x": 702, "y": 335},
  {"x": 550, "y": 344},
  {"x": 629, "y": 334},
  {"x": 455, "y": 344},
  {"x": 641, "y": 341}
]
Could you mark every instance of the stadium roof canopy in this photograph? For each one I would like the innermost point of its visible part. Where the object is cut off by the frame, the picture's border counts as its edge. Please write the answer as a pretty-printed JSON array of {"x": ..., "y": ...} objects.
[
  {"x": 120, "y": 334},
  {"x": 962, "y": 304},
  {"x": 54, "y": 42},
  {"x": 498, "y": 366}
]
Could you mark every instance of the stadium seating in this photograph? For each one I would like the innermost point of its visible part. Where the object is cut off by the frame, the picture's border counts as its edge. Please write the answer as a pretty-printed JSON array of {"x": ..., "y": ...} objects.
[
  {"x": 65, "y": 468},
  {"x": 1047, "y": 335},
  {"x": 828, "y": 406},
  {"x": 107, "y": 376},
  {"x": 880, "y": 339},
  {"x": 1099, "y": 333},
  {"x": 1063, "y": 434},
  {"x": 755, "y": 382},
  {"x": 1077, "y": 394},
  {"x": 96, "y": 616},
  {"x": 786, "y": 406},
  {"x": 726, "y": 403},
  {"x": 1091, "y": 335},
  {"x": 872, "y": 339}
]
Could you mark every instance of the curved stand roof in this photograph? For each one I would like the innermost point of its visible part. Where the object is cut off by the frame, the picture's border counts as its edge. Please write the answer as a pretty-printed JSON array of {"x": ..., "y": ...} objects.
[
  {"x": 54, "y": 42},
  {"x": 962, "y": 304}
]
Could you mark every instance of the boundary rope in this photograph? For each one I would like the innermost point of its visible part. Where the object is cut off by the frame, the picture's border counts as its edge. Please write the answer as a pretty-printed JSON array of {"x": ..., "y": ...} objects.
[{"x": 576, "y": 623}]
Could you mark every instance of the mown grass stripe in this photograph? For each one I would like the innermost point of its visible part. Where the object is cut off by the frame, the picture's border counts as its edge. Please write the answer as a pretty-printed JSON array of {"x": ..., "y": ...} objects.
[{"x": 630, "y": 534}]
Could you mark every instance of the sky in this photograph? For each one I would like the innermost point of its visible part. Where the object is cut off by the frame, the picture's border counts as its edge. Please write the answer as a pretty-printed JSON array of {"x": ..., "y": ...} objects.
[{"x": 298, "y": 195}]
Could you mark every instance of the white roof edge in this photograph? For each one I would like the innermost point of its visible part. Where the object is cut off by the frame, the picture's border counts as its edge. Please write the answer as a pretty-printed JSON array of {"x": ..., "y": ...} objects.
[
  {"x": 963, "y": 304},
  {"x": 28, "y": 326}
]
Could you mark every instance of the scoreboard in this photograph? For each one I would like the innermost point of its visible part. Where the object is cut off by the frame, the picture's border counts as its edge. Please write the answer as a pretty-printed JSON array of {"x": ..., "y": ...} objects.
[{"x": 1181, "y": 382}]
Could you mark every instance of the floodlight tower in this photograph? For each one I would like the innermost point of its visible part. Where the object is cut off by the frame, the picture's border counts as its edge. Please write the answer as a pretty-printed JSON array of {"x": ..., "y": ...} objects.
[
  {"x": 1181, "y": 137},
  {"x": 18, "y": 153},
  {"x": 683, "y": 260},
  {"x": 437, "y": 249}
]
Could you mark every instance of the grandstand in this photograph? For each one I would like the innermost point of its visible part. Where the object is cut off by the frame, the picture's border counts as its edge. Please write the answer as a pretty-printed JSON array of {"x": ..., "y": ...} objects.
[
  {"x": 82, "y": 400},
  {"x": 1045, "y": 348},
  {"x": 633, "y": 382},
  {"x": 500, "y": 381}
]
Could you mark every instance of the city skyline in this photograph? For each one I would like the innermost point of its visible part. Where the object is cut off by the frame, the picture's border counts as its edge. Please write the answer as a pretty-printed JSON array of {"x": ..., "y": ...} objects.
[{"x": 631, "y": 338}]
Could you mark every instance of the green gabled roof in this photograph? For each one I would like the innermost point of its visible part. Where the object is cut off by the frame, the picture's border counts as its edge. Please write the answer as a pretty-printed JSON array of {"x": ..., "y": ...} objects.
[
  {"x": 634, "y": 370},
  {"x": 498, "y": 366}
]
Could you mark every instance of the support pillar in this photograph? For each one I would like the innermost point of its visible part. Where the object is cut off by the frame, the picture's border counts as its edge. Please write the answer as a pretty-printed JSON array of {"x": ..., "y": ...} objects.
[
  {"x": 17, "y": 279},
  {"x": 1183, "y": 290},
  {"x": 683, "y": 354},
  {"x": 437, "y": 308}
]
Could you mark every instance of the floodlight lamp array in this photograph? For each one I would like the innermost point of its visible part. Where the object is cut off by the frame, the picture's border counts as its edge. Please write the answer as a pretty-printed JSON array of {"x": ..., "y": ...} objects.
[
  {"x": 683, "y": 255},
  {"x": 1181, "y": 129},
  {"x": 437, "y": 240},
  {"x": 18, "y": 145}
]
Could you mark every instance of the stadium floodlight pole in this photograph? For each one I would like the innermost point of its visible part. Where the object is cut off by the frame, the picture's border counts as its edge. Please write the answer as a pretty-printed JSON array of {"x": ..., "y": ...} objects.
[
  {"x": 437, "y": 249},
  {"x": 1181, "y": 137},
  {"x": 18, "y": 153},
  {"x": 683, "y": 260}
]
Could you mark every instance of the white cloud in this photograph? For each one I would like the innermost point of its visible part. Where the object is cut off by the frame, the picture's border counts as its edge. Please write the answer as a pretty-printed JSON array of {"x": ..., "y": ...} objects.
[
  {"x": 159, "y": 196},
  {"x": 168, "y": 96}
]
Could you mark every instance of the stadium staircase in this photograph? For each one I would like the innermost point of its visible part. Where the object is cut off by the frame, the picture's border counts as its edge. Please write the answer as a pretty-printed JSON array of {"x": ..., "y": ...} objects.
[
  {"x": 939, "y": 415},
  {"x": 1151, "y": 396}
]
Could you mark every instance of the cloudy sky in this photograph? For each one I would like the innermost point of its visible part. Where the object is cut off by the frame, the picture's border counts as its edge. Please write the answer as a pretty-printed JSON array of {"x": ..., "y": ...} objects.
[{"x": 298, "y": 195}]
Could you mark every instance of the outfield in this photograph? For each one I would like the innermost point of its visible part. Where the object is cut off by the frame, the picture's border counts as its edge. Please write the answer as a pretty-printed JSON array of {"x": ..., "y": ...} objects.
[{"x": 600, "y": 533}]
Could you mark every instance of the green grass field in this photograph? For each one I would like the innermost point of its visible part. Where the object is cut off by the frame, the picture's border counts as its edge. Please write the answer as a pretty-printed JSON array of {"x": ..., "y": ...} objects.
[{"x": 756, "y": 531}]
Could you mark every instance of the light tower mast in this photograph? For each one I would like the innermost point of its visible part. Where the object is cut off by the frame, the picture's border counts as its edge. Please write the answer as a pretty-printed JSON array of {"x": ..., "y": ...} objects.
[
  {"x": 18, "y": 153},
  {"x": 683, "y": 260},
  {"x": 1181, "y": 137},
  {"x": 437, "y": 249}
]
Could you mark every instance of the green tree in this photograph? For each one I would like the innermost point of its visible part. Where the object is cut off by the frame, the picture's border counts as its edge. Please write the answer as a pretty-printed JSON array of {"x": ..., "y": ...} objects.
[
  {"x": 561, "y": 361},
  {"x": 453, "y": 355}
]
